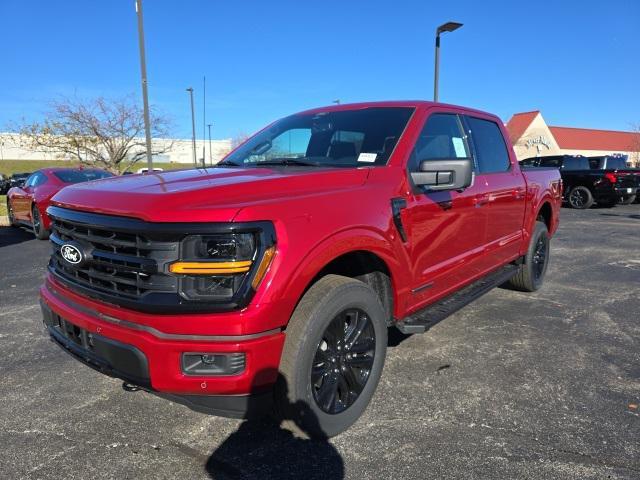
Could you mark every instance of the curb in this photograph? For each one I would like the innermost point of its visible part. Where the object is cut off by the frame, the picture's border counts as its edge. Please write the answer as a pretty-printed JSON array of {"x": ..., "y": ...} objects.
[{"x": 4, "y": 221}]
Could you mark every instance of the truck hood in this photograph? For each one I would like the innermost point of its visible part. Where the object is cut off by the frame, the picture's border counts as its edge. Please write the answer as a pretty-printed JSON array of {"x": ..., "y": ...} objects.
[{"x": 203, "y": 195}]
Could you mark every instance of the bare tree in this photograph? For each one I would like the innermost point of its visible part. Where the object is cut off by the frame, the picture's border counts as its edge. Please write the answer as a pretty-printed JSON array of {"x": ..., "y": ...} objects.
[
  {"x": 239, "y": 138},
  {"x": 100, "y": 132}
]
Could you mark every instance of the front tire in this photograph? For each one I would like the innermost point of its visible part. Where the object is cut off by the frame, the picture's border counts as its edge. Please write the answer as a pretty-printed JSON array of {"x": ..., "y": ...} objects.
[
  {"x": 332, "y": 359},
  {"x": 531, "y": 273},
  {"x": 39, "y": 231},
  {"x": 580, "y": 198}
]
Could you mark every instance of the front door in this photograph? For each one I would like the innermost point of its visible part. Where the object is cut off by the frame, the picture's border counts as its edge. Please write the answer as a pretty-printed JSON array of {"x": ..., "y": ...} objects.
[{"x": 445, "y": 230}]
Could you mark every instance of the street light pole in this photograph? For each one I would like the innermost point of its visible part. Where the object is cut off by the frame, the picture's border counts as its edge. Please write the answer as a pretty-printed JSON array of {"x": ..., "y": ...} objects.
[
  {"x": 193, "y": 127},
  {"x": 446, "y": 27},
  {"x": 143, "y": 75},
  {"x": 210, "y": 154}
]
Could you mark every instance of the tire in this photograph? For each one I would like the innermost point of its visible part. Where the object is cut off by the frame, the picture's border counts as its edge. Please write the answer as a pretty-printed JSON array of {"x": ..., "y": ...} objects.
[
  {"x": 531, "y": 273},
  {"x": 39, "y": 231},
  {"x": 627, "y": 200},
  {"x": 12, "y": 220},
  {"x": 580, "y": 198},
  {"x": 332, "y": 310}
]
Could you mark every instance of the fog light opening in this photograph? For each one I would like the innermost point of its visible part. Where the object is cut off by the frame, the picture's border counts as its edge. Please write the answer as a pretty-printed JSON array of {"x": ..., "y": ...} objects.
[{"x": 214, "y": 364}]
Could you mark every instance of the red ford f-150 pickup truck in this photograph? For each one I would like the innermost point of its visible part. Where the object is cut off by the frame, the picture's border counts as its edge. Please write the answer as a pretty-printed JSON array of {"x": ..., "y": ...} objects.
[{"x": 269, "y": 282}]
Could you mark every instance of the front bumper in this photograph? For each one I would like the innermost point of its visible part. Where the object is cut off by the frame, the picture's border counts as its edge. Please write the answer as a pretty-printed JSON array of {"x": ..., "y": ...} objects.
[{"x": 151, "y": 359}]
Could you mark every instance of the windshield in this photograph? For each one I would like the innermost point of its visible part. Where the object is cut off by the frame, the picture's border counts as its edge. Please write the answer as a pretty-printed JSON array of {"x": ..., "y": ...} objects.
[
  {"x": 347, "y": 138},
  {"x": 78, "y": 176}
]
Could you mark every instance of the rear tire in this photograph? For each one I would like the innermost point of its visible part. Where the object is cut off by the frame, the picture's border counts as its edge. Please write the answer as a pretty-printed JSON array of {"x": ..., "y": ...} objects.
[
  {"x": 332, "y": 359},
  {"x": 580, "y": 198},
  {"x": 627, "y": 200},
  {"x": 531, "y": 273},
  {"x": 39, "y": 231}
]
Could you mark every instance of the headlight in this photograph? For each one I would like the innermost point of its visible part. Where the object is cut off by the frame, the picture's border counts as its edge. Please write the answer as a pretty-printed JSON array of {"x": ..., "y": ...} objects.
[{"x": 222, "y": 267}]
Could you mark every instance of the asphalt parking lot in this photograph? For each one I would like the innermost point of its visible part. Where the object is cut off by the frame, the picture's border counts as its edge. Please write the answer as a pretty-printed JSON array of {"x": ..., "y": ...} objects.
[{"x": 543, "y": 385}]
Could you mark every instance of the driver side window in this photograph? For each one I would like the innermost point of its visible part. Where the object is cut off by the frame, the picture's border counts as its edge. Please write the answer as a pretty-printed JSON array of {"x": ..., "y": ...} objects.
[{"x": 441, "y": 138}]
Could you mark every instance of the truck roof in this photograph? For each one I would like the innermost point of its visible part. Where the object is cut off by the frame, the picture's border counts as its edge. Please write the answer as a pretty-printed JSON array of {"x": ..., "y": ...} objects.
[{"x": 392, "y": 103}]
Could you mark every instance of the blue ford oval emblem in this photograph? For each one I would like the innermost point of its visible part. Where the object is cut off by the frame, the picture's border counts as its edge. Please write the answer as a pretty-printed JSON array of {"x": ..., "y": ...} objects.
[{"x": 71, "y": 253}]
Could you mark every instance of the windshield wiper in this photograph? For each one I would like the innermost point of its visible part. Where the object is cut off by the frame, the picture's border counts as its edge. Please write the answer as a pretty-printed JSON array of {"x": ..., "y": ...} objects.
[
  {"x": 227, "y": 163},
  {"x": 289, "y": 161}
]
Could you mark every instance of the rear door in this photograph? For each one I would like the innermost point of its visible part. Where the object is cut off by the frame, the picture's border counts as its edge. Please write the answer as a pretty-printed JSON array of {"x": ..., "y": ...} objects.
[
  {"x": 446, "y": 229},
  {"x": 505, "y": 186}
]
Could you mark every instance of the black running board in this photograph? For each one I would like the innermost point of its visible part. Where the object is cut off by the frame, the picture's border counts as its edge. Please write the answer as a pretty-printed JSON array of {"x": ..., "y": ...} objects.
[{"x": 422, "y": 320}]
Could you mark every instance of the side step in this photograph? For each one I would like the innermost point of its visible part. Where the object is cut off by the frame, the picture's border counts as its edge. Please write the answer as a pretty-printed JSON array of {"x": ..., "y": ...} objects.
[{"x": 422, "y": 320}]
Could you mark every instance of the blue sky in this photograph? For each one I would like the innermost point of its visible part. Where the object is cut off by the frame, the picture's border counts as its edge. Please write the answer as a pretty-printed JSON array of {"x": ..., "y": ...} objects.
[{"x": 577, "y": 61}]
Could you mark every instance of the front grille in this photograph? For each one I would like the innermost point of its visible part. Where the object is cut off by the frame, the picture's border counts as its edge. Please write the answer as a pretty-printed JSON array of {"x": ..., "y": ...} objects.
[
  {"x": 120, "y": 263},
  {"x": 125, "y": 261}
]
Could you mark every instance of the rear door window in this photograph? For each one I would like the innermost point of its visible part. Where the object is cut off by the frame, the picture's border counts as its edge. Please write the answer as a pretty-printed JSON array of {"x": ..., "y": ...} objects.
[
  {"x": 575, "y": 163},
  {"x": 490, "y": 149}
]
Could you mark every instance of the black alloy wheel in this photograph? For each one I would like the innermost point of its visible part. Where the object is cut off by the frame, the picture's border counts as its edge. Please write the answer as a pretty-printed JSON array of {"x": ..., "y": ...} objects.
[
  {"x": 343, "y": 361},
  {"x": 540, "y": 257},
  {"x": 578, "y": 199}
]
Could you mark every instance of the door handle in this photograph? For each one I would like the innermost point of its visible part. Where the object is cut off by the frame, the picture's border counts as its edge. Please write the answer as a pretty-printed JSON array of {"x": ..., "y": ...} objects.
[
  {"x": 480, "y": 200},
  {"x": 518, "y": 193}
]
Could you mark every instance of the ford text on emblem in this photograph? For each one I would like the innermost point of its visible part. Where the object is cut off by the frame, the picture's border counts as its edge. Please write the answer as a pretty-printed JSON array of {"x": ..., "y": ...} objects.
[{"x": 71, "y": 254}]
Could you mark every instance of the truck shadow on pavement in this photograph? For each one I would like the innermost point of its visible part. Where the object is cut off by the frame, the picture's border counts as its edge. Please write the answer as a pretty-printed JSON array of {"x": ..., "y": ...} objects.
[
  {"x": 263, "y": 448},
  {"x": 12, "y": 235}
]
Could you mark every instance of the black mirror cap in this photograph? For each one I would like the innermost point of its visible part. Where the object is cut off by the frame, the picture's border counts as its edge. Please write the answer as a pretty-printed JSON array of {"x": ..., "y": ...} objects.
[{"x": 445, "y": 174}]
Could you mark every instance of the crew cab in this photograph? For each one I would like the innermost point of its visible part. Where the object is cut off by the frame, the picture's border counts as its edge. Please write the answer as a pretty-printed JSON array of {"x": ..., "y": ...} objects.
[
  {"x": 268, "y": 283},
  {"x": 585, "y": 185}
]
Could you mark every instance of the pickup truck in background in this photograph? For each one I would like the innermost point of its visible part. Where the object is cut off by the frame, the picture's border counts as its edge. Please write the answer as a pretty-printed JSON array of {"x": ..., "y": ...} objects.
[
  {"x": 585, "y": 186},
  {"x": 268, "y": 283},
  {"x": 618, "y": 163}
]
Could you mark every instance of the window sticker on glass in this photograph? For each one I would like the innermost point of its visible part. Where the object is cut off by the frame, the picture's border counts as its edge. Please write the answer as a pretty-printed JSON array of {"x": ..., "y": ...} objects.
[
  {"x": 367, "y": 157},
  {"x": 458, "y": 146}
]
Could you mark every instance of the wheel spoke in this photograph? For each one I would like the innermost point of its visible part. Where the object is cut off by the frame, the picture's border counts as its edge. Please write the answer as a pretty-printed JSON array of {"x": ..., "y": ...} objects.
[
  {"x": 365, "y": 345},
  {"x": 352, "y": 334},
  {"x": 360, "y": 361},
  {"x": 318, "y": 371},
  {"x": 354, "y": 379},
  {"x": 327, "y": 392}
]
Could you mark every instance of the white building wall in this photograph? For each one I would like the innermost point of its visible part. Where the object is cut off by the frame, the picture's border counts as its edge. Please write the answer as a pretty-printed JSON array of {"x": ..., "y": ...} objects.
[{"x": 181, "y": 150}]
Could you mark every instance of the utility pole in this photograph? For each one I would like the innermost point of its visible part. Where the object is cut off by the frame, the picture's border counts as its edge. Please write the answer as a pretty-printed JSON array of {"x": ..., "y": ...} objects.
[
  {"x": 210, "y": 150},
  {"x": 204, "y": 115},
  {"x": 193, "y": 127},
  {"x": 145, "y": 95},
  {"x": 446, "y": 27}
]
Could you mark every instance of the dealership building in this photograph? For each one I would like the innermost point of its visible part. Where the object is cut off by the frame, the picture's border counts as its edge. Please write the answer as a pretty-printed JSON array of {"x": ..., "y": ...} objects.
[{"x": 532, "y": 137}]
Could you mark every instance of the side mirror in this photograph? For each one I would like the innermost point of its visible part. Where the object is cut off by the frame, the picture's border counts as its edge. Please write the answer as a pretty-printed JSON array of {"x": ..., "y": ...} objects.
[{"x": 447, "y": 174}]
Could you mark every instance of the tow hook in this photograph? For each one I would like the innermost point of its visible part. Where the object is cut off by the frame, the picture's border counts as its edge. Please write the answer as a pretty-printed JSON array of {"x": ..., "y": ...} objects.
[{"x": 128, "y": 387}]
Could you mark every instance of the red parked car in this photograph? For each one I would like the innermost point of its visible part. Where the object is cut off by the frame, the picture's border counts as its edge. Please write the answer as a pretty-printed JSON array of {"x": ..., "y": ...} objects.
[
  {"x": 26, "y": 205},
  {"x": 270, "y": 280}
]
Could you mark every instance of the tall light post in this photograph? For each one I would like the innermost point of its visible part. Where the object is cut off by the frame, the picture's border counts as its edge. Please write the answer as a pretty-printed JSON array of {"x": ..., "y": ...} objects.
[
  {"x": 143, "y": 75},
  {"x": 193, "y": 127},
  {"x": 446, "y": 27},
  {"x": 210, "y": 154}
]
